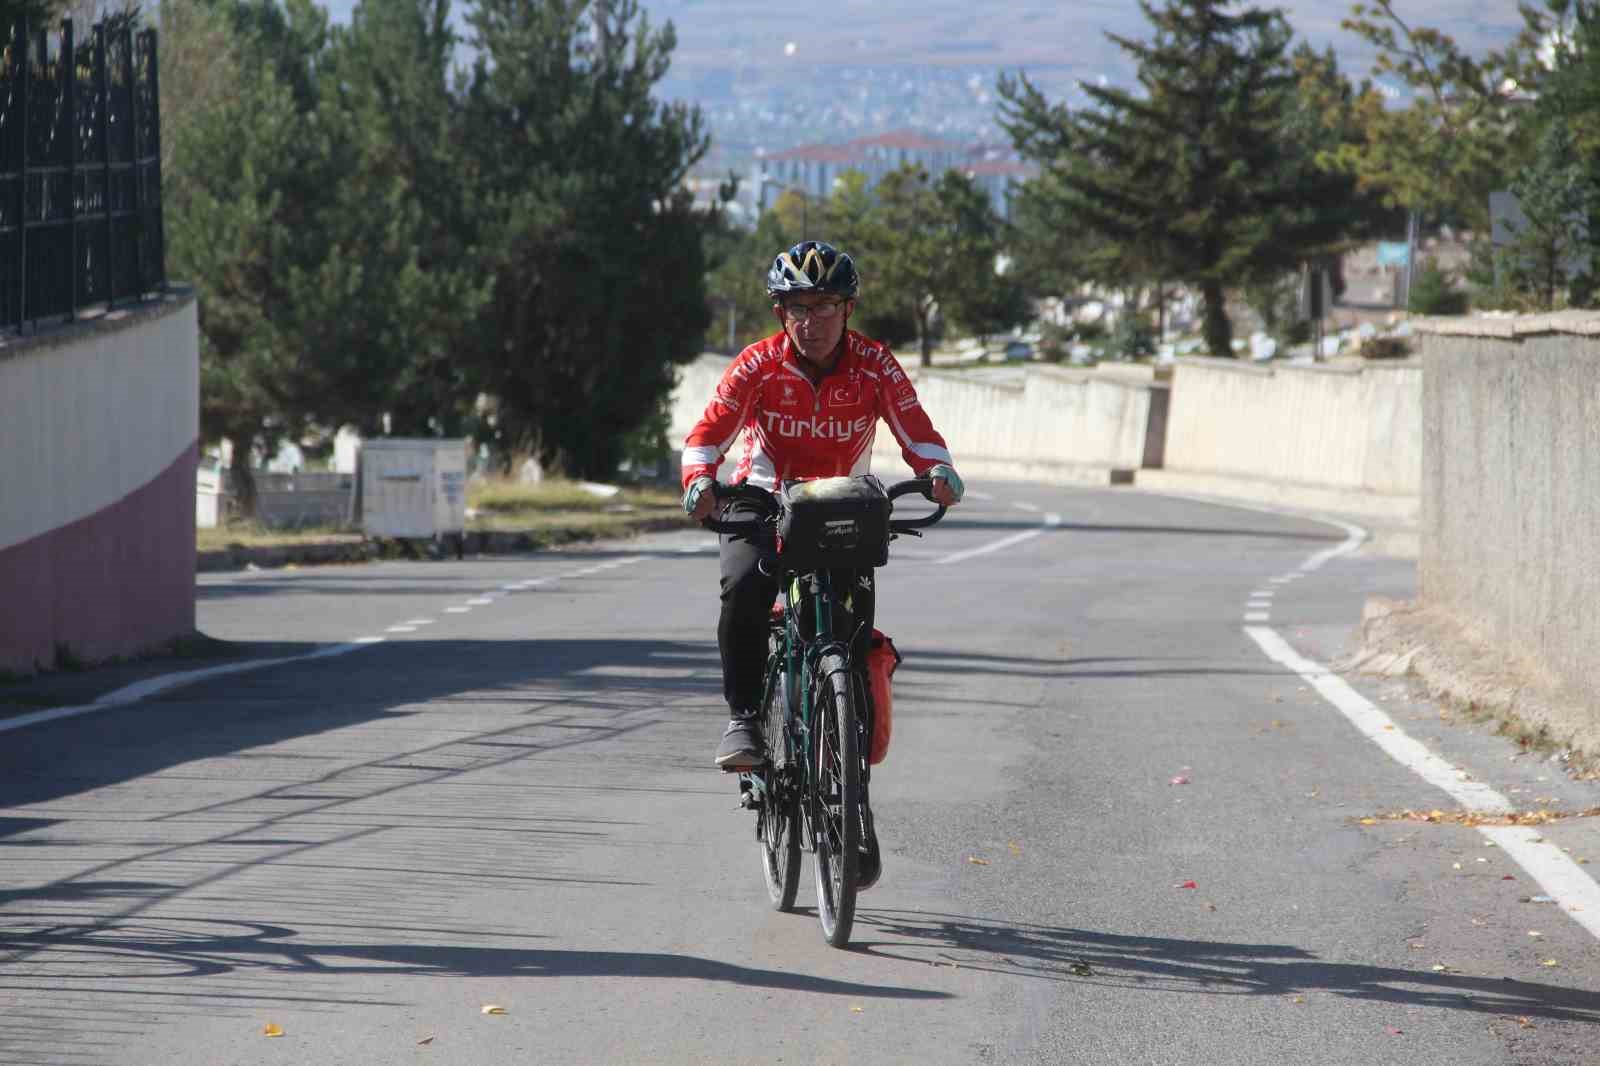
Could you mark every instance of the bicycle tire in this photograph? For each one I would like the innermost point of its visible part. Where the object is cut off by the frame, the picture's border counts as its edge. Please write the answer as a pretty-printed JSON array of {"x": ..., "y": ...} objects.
[
  {"x": 836, "y": 797},
  {"x": 780, "y": 813}
]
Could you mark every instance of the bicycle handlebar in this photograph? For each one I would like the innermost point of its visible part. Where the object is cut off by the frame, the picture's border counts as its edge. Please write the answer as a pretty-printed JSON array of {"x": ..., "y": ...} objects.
[{"x": 766, "y": 505}]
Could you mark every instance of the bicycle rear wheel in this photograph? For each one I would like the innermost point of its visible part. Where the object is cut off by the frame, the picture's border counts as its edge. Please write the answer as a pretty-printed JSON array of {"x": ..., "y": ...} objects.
[
  {"x": 836, "y": 799},
  {"x": 780, "y": 813}
]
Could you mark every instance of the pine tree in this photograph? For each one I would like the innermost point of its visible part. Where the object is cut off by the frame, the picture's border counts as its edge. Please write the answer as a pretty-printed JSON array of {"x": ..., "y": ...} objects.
[
  {"x": 599, "y": 269},
  {"x": 1204, "y": 174}
]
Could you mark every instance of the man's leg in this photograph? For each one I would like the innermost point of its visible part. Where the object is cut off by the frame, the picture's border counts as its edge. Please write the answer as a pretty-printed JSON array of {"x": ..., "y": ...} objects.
[{"x": 747, "y": 596}]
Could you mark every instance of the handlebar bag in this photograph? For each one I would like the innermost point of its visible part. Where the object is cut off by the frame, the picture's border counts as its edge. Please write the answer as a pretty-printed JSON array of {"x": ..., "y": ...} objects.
[{"x": 834, "y": 522}]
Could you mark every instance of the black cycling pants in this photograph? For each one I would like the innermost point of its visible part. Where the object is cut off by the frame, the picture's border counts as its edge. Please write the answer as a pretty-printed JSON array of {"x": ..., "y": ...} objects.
[{"x": 747, "y": 596}]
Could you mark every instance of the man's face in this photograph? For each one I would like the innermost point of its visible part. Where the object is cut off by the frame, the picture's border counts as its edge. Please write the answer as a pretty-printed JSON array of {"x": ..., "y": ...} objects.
[{"x": 814, "y": 323}]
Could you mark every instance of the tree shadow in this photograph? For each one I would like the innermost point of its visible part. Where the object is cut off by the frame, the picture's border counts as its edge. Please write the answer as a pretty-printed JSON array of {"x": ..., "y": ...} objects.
[{"x": 1197, "y": 966}]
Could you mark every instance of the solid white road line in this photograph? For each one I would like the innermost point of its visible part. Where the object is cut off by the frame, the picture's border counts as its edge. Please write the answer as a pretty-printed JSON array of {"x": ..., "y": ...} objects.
[
  {"x": 1050, "y": 522},
  {"x": 1555, "y": 871}
]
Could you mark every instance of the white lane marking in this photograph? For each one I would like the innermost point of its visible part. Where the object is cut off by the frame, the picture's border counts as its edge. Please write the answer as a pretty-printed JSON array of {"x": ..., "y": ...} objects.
[
  {"x": 1263, "y": 594},
  {"x": 151, "y": 686},
  {"x": 1050, "y": 522},
  {"x": 479, "y": 601},
  {"x": 1258, "y": 616},
  {"x": 973, "y": 495},
  {"x": 458, "y": 610},
  {"x": 1026, "y": 507},
  {"x": 1555, "y": 871},
  {"x": 512, "y": 588},
  {"x": 418, "y": 622},
  {"x": 401, "y": 629}
]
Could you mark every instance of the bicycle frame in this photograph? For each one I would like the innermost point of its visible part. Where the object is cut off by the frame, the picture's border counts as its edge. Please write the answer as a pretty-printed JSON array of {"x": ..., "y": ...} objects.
[{"x": 795, "y": 661}]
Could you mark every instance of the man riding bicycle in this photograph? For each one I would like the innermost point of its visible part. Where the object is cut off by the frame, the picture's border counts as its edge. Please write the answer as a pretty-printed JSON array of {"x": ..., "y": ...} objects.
[{"x": 808, "y": 400}]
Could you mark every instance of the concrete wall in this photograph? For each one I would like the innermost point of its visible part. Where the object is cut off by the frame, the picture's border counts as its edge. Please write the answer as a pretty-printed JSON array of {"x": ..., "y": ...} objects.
[
  {"x": 99, "y": 434},
  {"x": 1353, "y": 430},
  {"x": 1511, "y": 488},
  {"x": 1038, "y": 422}
]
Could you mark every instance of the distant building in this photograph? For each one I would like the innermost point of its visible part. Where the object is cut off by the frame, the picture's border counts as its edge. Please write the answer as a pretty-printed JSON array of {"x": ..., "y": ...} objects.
[{"x": 811, "y": 170}]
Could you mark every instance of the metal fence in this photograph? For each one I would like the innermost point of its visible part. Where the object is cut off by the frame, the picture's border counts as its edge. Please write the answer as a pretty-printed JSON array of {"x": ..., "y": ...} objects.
[{"x": 80, "y": 171}]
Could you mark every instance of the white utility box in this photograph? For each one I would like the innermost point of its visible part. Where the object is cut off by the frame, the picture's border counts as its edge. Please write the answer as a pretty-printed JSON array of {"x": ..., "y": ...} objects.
[{"x": 413, "y": 487}]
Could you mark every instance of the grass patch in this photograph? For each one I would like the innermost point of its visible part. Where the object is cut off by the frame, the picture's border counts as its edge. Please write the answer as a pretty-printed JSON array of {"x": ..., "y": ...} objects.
[
  {"x": 552, "y": 512},
  {"x": 502, "y": 498},
  {"x": 255, "y": 535}
]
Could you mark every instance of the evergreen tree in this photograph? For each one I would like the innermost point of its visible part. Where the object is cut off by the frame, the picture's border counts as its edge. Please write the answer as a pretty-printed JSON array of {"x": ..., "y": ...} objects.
[
  {"x": 1457, "y": 140},
  {"x": 1543, "y": 249},
  {"x": 599, "y": 270},
  {"x": 1565, "y": 39},
  {"x": 1204, "y": 174},
  {"x": 978, "y": 291}
]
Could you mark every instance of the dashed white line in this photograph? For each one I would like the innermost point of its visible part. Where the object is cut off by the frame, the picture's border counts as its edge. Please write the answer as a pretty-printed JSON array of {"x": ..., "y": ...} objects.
[
  {"x": 1258, "y": 616},
  {"x": 1030, "y": 507},
  {"x": 458, "y": 610},
  {"x": 401, "y": 629}
]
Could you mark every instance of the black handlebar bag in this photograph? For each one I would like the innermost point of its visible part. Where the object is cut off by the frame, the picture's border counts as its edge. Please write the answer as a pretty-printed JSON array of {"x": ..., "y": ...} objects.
[{"x": 833, "y": 522}]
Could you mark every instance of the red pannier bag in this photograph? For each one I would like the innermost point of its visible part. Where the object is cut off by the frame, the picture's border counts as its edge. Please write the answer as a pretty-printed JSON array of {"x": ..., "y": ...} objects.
[{"x": 882, "y": 660}]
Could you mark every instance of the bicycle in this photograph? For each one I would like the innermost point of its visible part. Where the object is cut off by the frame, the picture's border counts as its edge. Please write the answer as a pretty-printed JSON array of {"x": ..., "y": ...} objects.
[{"x": 811, "y": 792}]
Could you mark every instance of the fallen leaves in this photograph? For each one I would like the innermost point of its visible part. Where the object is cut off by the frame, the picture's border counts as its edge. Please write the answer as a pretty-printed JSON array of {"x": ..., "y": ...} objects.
[
  {"x": 272, "y": 1029},
  {"x": 1081, "y": 968},
  {"x": 1548, "y": 962},
  {"x": 425, "y": 1041},
  {"x": 1187, "y": 884},
  {"x": 1393, "y": 1031},
  {"x": 493, "y": 1008},
  {"x": 974, "y": 860},
  {"x": 1179, "y": 780},
  {"x": 1542, "y": 816},
  {"x": 858, "y": 1010}
]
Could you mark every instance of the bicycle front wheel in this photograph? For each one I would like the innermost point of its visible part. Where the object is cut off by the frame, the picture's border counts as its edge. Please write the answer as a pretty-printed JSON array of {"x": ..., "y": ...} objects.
[{"x": 836, "y": 797}]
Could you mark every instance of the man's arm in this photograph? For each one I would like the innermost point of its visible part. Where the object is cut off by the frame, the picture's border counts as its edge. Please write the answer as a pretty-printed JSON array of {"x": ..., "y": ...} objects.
[
  {"x": 719, "y": 426},
  {"x": 921, "y": 445}
]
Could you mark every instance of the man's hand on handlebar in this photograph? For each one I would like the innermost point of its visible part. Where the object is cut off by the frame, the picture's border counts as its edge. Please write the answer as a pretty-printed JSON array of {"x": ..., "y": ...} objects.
[
  {"x": 947, "y": 487},
  {"x": 700, "y": 498}
]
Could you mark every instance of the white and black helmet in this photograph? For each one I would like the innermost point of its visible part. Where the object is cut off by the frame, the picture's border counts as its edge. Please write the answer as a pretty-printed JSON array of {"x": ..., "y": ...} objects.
[{"x": 813, "y": 266}]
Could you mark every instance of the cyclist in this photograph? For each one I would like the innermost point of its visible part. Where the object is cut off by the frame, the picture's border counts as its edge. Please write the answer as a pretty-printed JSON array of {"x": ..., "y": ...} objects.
[{"x": 808, "y": 399}]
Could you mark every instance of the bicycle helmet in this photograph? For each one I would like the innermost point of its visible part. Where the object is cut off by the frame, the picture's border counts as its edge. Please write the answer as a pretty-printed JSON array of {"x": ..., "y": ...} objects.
[{"x": 812, "y": 266}]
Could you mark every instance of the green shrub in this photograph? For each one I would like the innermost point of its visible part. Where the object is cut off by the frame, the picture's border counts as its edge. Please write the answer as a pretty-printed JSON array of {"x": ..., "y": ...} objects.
[{"x": 1433, "y": 292}]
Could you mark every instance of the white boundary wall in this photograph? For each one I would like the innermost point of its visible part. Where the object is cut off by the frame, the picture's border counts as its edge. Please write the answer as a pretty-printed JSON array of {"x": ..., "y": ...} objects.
[{"x": 1355, "y": 428}]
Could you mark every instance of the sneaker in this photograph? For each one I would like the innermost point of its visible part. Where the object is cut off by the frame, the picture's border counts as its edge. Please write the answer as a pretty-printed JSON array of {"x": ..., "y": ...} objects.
[{"x": 742, "y": 747}]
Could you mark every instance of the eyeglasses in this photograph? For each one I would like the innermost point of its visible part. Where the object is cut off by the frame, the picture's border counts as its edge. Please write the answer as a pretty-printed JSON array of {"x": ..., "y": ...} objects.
[{"x": 801, "y": 312}]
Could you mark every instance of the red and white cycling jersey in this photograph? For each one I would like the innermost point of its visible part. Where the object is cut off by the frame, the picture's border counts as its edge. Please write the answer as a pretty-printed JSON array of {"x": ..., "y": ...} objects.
[{"x": 794, "y": 429}]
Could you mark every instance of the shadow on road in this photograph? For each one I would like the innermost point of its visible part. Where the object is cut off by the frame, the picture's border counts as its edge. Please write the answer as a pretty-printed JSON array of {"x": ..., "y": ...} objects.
[
  {"x": 1199, "y": 966},
  {"x": 200, "y": 948}
]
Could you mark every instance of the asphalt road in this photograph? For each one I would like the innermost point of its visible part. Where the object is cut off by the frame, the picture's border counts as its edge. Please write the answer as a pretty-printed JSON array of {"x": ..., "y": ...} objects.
[{"x": 1115, "y": 829}]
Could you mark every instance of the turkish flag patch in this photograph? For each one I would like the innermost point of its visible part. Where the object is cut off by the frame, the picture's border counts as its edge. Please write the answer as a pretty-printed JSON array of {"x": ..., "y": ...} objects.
[{"x": 844, "y": 394}]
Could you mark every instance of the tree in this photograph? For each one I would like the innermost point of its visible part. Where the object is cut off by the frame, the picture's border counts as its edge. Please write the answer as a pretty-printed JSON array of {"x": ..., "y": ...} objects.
[
  {"x": 979, "y": 292},
  {"x": 599, "y": 270},
  {"x": 399, "y": 284},
  {"x": 1551, "y": 195},
  {"x": 1206, "y": 175},
  {"x": 1567, "y": 78},
  {"x": 221, "y": 202},
  {"x": 1458, "y": 139}
]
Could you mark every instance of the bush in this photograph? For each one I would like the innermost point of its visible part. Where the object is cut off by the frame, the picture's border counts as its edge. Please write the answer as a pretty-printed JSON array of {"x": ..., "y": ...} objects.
[{"x": 1433, "y": 292}]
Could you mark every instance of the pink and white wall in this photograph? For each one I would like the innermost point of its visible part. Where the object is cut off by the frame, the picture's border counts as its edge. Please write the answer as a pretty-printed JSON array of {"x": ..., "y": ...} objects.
[{"x": 99, "y": 433}]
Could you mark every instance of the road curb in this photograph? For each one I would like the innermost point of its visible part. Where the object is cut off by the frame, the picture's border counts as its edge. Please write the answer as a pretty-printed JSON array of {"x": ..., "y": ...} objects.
[{"x": 1474, "y": 677}]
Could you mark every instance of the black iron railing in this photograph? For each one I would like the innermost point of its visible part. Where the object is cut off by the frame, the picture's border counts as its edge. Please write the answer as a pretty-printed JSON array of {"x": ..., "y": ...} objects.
[{"x": 80, "y": 171}]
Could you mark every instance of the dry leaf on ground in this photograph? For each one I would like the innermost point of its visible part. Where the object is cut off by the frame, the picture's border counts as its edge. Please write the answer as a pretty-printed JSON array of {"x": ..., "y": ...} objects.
[
  {"x": 493, "y": 1008},
  {"x": 272, "y": 1029}
]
